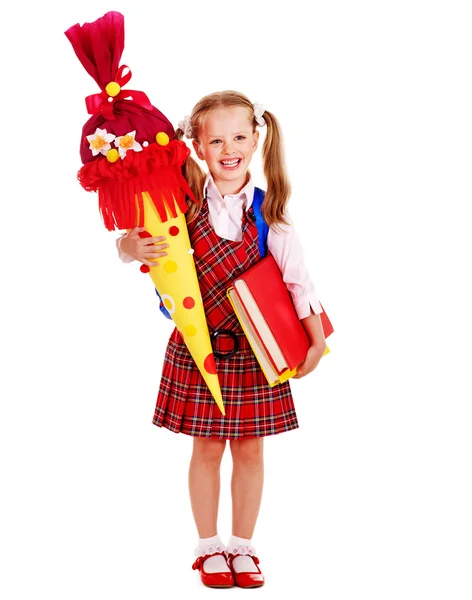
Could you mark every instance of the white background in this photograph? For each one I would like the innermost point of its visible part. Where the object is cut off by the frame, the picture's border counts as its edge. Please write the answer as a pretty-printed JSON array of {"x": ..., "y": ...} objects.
[{"x": 371, "y": 497}]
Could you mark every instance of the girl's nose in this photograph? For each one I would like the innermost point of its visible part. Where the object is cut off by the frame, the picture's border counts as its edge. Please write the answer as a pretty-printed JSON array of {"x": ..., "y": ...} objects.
[{"x": 228, "y": 148}]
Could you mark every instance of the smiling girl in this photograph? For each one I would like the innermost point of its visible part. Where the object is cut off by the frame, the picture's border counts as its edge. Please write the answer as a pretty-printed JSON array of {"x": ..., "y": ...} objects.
[{"x": 224, "y": 131}]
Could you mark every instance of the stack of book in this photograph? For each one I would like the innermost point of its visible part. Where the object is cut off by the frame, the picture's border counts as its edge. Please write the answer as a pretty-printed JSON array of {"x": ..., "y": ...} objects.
[{"x": 264, "y": 308}]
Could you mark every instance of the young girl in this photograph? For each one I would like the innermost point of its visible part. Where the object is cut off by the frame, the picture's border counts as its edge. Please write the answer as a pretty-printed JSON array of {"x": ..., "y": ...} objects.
[{"x": 223, "y": 234}]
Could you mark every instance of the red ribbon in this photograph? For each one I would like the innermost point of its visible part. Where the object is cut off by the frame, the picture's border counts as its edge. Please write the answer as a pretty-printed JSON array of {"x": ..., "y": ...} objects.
[{"x": 97, "y": 103}]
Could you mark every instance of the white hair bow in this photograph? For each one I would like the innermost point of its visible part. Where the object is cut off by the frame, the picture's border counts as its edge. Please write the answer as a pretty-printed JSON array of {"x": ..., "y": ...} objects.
[
  {"x": 186, "y": 126},
  {"x": 258, "y": 112}
]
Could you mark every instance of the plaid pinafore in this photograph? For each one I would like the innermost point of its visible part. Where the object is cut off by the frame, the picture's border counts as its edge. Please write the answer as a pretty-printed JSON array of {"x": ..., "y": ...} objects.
[{"x": 184, "y": 403}]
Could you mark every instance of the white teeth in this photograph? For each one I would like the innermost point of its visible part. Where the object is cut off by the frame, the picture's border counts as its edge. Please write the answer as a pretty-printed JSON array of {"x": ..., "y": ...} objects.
[{"x": 230, "y": 163}]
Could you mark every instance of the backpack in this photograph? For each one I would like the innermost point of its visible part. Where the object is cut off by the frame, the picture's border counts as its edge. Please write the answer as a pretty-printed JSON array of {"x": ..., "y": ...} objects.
[{"x": 262, "y": 230}]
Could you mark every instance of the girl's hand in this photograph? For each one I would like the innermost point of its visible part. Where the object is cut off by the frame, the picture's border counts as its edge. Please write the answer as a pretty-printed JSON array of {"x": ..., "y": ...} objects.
[
  {"x": 313, "y": 357},
  {"x": 314, "y": 329},
  {"x": 146, "y": 249}
]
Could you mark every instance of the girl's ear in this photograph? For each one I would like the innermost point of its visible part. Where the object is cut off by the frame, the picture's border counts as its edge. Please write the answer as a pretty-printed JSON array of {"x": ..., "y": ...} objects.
[
  {"x": 256, "y": 139},
  {"x": 196, "y": 147}
]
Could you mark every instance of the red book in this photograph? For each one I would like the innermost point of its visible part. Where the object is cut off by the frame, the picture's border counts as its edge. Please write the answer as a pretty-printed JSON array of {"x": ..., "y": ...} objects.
[{"x": 264, "y": 307}]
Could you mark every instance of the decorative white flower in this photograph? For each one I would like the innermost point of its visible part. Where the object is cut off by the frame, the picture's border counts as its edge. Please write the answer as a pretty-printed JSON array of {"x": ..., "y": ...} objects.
[
  {"x": 127, "y": 142},
  {"x": 100, "y": 141}
]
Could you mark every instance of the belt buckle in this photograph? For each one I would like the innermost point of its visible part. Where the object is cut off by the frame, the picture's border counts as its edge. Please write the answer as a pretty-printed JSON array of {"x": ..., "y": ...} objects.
[{"x": 233, "y": 336}]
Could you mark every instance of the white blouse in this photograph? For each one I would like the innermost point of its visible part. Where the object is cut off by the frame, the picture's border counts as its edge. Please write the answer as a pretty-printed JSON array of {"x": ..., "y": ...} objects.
[{"x": 225, "y": 216}]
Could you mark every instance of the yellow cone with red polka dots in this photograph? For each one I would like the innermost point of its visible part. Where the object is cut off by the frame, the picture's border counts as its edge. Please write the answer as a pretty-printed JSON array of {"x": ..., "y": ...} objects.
[{"x": 175, "y": 278}]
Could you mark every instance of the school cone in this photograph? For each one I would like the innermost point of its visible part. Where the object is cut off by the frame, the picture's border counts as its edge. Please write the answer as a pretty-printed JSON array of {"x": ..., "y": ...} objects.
[
  {"x": 131, "y": 158},
  {"x": 175, "y": 278}
]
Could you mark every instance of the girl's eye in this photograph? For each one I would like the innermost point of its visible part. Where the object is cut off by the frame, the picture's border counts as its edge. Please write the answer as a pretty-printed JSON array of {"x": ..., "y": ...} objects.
[
  {"x": 240, "y": 137},
  {"x": 214, "y": 141}
]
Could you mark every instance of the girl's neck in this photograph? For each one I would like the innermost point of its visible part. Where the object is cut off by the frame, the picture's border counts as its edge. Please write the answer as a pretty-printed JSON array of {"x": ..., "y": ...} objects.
[{"x": 230, "y": 187}]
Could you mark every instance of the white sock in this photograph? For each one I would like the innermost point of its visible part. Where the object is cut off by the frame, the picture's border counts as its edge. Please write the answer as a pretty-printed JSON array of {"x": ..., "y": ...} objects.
[
  {"x": 213, "y": 564},
  {"x": 244, "y": 563}
]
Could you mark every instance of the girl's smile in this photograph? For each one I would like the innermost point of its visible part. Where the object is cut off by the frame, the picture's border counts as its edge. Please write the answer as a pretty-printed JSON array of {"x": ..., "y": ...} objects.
[{"x": 231, "y": 164}]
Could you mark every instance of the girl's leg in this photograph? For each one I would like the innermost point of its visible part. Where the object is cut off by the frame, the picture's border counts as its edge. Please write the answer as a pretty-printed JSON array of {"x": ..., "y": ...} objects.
[
  {"x": 246, "y": 490},
  {"x": 204, "y": 487},
  {"x": 246, "y": 484},
  {"x": 204, "y": 483}
]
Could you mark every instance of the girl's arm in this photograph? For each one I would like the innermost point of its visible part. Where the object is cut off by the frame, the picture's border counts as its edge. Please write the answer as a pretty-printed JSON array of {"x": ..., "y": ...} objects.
[
  {"x": 314, "y": 329},
  {"x": 286, "y": 248},
  {"x": 124, "y": 257}
]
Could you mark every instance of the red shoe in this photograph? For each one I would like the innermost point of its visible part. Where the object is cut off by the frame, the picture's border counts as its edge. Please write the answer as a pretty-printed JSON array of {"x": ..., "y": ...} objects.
[
  {"x": 244, "y": 579},
  {"x": 215, "y": 580}
]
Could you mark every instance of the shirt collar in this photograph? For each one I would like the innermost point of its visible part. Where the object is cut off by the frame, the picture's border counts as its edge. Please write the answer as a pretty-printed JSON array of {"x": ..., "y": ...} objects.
[{"x": 211, "y": 192}]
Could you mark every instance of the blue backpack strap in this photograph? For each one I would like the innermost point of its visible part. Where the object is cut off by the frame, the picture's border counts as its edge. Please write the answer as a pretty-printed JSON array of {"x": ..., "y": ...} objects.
[
  {"x": 262, "y": 227},
  {"x": 164, "y": 310}
]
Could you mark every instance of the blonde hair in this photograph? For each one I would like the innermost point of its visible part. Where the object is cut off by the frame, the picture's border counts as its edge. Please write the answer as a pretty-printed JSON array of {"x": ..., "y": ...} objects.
[{"x": 278, "y": 186}]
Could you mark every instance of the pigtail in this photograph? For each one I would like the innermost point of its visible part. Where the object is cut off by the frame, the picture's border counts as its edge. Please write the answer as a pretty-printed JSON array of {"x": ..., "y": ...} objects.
[
  {"x": 278, "y": 185},
  {"x": 195, "y": 177}
]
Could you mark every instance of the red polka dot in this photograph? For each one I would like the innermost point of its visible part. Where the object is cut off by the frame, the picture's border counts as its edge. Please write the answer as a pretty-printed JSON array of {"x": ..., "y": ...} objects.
[
  {"x": 174, "y": 230},
  {"x": 144, "y": 269},
  {"x": 188, "y": 302},
  {"x": 144, "y": 234},
  {"x": 210, "y": 365}
]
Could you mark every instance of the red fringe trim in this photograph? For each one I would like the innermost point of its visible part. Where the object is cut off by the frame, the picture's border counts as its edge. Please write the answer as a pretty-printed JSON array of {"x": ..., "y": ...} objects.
[{"x": 156, "y": 170}]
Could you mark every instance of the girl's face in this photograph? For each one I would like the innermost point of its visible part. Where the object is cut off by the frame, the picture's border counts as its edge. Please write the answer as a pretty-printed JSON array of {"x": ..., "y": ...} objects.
[{"x": 226, "y": 143}]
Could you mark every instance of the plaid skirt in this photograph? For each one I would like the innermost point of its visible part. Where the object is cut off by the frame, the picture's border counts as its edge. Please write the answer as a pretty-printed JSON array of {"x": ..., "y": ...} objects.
[{"x": 253, "y": 408}]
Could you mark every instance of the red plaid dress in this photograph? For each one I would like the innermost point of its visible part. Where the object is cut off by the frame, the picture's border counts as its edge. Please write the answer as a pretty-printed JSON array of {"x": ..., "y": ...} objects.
[{"x": 184, "y": 403}]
